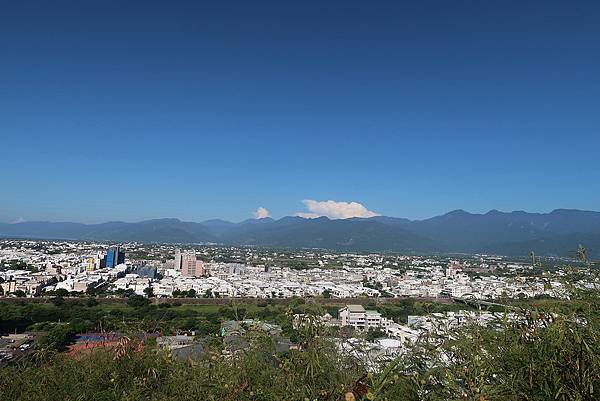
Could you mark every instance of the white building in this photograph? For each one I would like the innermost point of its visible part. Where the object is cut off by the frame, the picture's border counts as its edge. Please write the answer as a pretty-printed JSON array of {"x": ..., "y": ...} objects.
[{"x": 354, "y": 315}]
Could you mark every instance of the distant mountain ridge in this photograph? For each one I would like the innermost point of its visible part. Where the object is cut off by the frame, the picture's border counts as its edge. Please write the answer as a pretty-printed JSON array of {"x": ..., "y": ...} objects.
[{"x": 508, "y": 233}]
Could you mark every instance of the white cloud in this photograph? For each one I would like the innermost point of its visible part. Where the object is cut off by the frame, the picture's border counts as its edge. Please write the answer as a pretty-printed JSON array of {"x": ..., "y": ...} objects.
[
  {"x": 334, "y": 210},
  {"x": 261, "y": 213},
  {"x": 308, "y": 215},
  {"x": 17, "y": 221}
]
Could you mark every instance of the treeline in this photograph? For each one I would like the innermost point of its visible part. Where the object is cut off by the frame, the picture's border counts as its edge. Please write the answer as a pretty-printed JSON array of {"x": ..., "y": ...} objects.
[{"x": 86, "y": 314}]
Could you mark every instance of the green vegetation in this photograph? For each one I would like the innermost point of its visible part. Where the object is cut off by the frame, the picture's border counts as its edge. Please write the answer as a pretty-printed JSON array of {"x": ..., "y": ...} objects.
[
  {"x": 374, "y": 334},
  {"x": 136, "y": 314},
  {"x": 256, "y": 374},
  {"x": 59, "y": 336},
  {"x": 191, "y": 293},
  {"x": 552, "y": 353},
  {"x": 16, "y": 264}
]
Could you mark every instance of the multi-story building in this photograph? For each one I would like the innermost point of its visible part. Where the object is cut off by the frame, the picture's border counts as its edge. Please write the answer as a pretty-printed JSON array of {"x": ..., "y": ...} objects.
[
  {"x": 374, "y": 320},
  {"x": 90, "y": 264},
  {"x": 192, "y": 267},
  {"x": 177, "y": 261},
  {"x": 114, "y": 257},
  {"x": 188, "y": 264},
  {"x": 354, "y": 315},
  {"x": 361, "y": 319}
]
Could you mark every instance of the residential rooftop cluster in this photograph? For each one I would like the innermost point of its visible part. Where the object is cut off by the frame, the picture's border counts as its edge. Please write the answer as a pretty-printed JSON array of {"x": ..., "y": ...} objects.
[{"x": 35, "y": 268}]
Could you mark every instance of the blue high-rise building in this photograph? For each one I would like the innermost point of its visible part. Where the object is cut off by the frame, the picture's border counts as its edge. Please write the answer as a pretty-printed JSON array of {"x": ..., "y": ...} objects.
[{"x": 114, "y": 257}]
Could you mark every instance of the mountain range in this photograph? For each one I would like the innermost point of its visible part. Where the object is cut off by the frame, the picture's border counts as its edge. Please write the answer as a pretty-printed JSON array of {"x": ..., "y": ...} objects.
[{"x": 557, "y": 233}]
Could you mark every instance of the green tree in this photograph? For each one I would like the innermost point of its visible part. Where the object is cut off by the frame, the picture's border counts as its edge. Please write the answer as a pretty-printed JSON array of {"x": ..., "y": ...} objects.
[
  {"x": 58, "y": 337},
  {"x": 58, "y": 301},
  {"x": 137, "y": 301},
  {"x": 91, "y": 302}
]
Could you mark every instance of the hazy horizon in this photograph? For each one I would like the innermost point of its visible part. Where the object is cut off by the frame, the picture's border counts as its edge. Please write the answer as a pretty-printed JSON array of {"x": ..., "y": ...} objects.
[{"x": 294, "y": 215}]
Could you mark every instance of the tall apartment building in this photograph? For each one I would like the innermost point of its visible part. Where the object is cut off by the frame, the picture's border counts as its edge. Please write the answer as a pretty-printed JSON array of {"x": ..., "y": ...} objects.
[
  {"x": 177, "y": 264},
  {"x": 90, "y": 264},
  {"x": 188, "y": 264},
  {"x": 114, "y": 257},
  {"x": 191, "y": 267}
]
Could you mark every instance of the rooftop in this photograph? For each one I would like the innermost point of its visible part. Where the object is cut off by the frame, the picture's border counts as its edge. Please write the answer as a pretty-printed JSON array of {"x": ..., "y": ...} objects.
[{"x": 355, "y": 308}]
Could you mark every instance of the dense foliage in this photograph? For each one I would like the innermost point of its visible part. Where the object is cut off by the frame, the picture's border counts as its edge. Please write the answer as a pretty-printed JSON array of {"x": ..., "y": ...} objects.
[
  {"x": 550, "y": 351},
  {"x": 86, "y": 314}
]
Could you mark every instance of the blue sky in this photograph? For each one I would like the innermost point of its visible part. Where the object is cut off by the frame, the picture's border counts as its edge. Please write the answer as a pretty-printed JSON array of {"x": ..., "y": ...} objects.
[{"x": 113, "y": 111}]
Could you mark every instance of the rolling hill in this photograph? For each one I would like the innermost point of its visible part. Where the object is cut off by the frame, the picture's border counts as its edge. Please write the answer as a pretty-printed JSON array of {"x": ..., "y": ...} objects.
[{"x": 509, "y": 233}]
